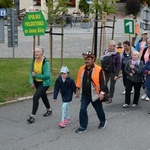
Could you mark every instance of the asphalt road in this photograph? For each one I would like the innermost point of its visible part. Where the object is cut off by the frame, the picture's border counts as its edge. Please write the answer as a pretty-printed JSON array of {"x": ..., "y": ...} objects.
[{"x": 127, "y": 128}]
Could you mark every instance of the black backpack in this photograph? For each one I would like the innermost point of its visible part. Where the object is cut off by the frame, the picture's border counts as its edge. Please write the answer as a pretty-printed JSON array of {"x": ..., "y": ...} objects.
[{"x": 108, "y": 64}]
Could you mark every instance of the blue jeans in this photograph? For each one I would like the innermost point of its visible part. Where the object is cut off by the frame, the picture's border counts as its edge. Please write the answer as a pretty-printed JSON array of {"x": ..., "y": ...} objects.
[
  {"x": 83, "y": 116},
  {"x": 65, "y": 111},
  {"x": 148, "y": 92}
]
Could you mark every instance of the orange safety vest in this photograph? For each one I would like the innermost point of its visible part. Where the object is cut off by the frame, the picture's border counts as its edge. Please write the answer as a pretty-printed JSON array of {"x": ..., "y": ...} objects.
[
  {"x": 94, "y": 76},
  {"x": 119, "y": 49}
]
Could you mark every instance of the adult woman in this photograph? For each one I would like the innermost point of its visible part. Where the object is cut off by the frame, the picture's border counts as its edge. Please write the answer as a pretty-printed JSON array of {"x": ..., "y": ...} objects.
[
  {"x": 113, "y": 74},
  {"x": 142, "y": 43},
  {"x": 40, "y": 79},
  {"x": 133, "y": 68},
  {"x": 126, "y": 56},
  {"x": 145, "y": 58},
  {"x": 146, "y": 71}
]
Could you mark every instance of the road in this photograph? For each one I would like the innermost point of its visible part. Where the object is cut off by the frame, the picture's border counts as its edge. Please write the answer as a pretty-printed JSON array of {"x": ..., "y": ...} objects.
[{"x": 127, "y": 128}]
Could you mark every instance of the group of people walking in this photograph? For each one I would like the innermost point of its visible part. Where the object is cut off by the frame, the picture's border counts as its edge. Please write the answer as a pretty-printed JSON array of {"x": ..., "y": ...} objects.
[{"x": 133, "y": 64}]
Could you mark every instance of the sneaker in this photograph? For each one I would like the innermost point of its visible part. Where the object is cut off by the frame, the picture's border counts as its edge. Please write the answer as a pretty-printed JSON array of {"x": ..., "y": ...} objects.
[
  {"x": 143, "y": 96},
  {"x": 62, "y": 124},
  {"x": 31, "y": 119},
  {"x": 102, "y": 125},
  {"x": 147, "y": 99},
  {"x": 132, "y": 91},
  {"x": 124, "y": 92},
  {"x": 80, "y": 130},
  {"x": 48, "y": 113},
  {"x": 67, "y": 121},
  {"x": 134, "y": 105},
  {"x": 125, "y": 105}
]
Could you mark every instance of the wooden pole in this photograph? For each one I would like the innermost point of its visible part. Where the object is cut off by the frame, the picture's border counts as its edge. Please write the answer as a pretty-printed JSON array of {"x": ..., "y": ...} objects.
[
  {"x": 38, "y": 40},
  {"x": 51, "y": 47},
  {"x": 113, "y": 30},
  {"x": 34, "y": 38},
  {"x": 100, "y": 43},
  {"x": 62, "y": 45}
]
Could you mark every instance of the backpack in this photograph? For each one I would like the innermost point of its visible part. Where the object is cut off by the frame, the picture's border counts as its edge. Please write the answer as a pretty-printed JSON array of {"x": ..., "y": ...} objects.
[{"x": 108, "y": 64}]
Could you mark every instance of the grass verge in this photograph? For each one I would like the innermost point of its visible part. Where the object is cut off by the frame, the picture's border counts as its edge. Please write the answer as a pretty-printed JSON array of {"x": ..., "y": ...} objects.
[{"x": 14, "y": 76}]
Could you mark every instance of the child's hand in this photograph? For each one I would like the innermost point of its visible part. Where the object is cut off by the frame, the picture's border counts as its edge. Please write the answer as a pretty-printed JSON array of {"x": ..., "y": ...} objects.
[{"x": 54, "y": 100}]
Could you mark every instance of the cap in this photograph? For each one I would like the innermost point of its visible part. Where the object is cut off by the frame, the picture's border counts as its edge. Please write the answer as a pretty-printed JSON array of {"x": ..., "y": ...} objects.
[
  {"x": 144, "y": 32},
  {"x": 88, "y": 54},
  {"x": 64, "y": 69}
]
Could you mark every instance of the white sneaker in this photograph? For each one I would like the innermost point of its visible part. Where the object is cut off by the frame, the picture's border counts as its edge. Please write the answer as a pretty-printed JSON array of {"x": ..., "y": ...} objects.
[
  {"x": 147, "y": 99},
  {"x": 125, "y": 105},
  {"x": 143, "y": 96},
  {"x": 124, "y": 92},
  {"x": 134, "y": 105},
  {"x": 132, "y": 91}
]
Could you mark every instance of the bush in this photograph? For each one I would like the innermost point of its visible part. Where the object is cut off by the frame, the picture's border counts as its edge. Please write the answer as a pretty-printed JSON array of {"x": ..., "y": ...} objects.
[{"x": 133, "y": 7}]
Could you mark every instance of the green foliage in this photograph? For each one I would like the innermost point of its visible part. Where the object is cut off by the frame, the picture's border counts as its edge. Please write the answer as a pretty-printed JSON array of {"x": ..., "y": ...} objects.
[
  {"x": 6, "y": 3},
  {"x": 84, "y": 7},
  {"x": 14, "y": 76},
  {"x": 133, "y": 7},
  {"x": 55, "y": 8},
  {"x": 108, "y": 6}
]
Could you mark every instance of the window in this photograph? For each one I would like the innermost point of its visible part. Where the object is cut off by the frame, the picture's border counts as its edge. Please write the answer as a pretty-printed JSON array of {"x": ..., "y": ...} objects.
[{"x": 37, "y": 2}]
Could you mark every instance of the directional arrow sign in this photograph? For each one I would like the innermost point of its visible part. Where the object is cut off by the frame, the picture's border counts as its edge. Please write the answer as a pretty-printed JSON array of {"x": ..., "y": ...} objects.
[{"x": 34, "y": 24}]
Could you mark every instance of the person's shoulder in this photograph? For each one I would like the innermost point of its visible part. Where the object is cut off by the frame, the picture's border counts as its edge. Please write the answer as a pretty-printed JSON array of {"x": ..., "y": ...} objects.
[{"x": 70, "y": 78}]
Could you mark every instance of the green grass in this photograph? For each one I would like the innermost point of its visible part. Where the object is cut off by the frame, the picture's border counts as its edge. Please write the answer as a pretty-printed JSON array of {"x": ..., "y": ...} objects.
[{"x": 14, "y": 76}]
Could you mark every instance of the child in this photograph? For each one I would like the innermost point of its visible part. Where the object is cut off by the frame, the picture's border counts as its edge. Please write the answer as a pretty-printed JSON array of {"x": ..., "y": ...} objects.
[
  {"x": 66, "y": 86},
  {"x": 119, "y": 48}
]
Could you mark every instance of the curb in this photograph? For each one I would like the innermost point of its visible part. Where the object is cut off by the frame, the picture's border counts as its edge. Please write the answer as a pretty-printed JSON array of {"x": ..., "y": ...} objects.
[{"x": 20, "y": 99}]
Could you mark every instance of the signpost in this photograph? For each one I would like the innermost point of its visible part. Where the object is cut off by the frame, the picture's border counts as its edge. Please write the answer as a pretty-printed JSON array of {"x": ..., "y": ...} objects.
[
  {"x": 2, "y": 14},
  {"x": 129, "y": 26},
  {"x": 145, "y": 16},
  {"x": 34, "y": 24}
]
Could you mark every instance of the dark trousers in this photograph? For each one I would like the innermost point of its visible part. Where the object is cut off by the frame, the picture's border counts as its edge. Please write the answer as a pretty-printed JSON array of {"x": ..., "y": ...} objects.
[
  {"x": 110, "y": 76},
  {"x": 124, "y": 77},
  {"x": 137, "y": 87},
  {"x": 40, "y": 93},
  {"x": 83, "y": 116}
]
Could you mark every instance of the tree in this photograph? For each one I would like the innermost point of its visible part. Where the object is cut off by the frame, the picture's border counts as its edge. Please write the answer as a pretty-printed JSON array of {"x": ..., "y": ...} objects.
[
  {"x": 55, "y": 8},
  {"x": 99, "y": 6},
  {"x": 6, "y": 3},
  {"x": 84, "y": 7},
  {"x": 133, "y": 7}
]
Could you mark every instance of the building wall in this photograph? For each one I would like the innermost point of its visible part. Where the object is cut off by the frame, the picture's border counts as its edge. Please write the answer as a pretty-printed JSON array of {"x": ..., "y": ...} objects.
[{"x": 27, "y": 3}]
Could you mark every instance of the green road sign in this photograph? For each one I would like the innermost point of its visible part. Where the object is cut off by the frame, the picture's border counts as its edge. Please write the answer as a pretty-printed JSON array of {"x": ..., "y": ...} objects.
[
  {"x": 34, "y": 24},
  {"x": 129, "y": 26}
]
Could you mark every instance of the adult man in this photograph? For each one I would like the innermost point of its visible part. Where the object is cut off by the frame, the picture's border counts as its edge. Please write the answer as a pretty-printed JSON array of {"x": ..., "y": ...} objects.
[
  {"x": 137, "y": 31},
  {"x": 112, "y": 74},
  {"x": 90, "y": 80}
]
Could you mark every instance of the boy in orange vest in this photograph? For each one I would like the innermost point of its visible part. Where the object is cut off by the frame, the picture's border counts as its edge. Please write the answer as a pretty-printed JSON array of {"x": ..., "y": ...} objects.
[{"x": 119, "y": 48}]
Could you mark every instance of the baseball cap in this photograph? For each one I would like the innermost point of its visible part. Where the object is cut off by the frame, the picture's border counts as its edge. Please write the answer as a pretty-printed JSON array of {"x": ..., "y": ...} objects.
[
  {"x": 64, "y": 69},
  {"x": 144, "y": 32}
]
